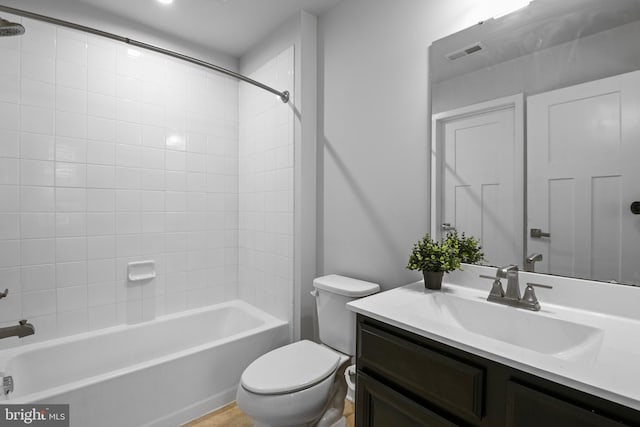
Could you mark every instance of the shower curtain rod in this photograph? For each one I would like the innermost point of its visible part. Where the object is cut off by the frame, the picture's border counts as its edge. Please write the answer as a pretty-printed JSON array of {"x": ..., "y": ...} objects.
[{"x": 284, "y": 96}]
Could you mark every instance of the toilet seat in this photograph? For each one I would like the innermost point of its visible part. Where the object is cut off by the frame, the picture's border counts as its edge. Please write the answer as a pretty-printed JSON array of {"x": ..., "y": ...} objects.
[{"x": 290, "y": 368}]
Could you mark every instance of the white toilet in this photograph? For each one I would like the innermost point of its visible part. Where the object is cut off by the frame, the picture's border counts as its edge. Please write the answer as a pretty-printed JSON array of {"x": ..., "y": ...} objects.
[{"x": 302, "y": 384}]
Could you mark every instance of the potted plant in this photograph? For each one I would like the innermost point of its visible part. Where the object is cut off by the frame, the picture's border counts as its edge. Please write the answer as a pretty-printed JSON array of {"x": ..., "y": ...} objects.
[
  {"x": 470, "y": 249},
  {"x": 434, "y": 258}
]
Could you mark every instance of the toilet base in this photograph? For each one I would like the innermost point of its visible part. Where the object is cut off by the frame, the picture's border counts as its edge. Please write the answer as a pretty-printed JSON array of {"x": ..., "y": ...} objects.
[
  {"x": 331, "y": 416},
  {"x": 334, "y": 410},
  {"x": 342, "y": 422}
]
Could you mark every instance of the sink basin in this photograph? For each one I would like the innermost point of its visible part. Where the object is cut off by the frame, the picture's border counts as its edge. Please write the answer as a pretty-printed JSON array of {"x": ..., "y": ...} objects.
[{"x": 531, "y": 330}]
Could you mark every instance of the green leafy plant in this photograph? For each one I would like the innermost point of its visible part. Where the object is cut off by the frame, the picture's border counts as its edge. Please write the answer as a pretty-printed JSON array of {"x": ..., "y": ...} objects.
[
  {"x": 445, "y": 255},
  {"x": 430, "y": 255},
  {"x": 470, "y": 249}
]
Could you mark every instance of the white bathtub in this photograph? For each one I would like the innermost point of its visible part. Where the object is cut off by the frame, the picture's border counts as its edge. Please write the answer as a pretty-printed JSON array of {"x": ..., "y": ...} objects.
[{"x": 159, "y": 373}]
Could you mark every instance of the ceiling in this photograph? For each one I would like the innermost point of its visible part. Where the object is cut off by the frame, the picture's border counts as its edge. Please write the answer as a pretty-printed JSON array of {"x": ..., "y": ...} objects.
[{"x": 231, "y": 27}]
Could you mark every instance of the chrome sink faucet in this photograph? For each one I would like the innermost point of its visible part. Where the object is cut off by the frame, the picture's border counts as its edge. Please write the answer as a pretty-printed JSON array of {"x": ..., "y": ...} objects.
[
  {"x": 530, "y": 262},
  {"x": 510, "y": 272},
  {"x": 512, "y": 296}
]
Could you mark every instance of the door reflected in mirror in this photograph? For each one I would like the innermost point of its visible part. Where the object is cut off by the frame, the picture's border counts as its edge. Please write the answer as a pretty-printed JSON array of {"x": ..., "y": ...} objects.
[{"x": 551, "y": 184}]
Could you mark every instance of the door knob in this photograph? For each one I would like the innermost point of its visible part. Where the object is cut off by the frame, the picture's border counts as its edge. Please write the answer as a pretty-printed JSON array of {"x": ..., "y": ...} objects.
[
  {"x": 537, "y": 233},
  {"x": 635, "y": 208}
]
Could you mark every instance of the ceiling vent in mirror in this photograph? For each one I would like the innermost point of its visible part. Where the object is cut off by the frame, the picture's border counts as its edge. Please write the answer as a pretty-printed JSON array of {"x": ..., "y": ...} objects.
[{"x": 469, "y": 50}]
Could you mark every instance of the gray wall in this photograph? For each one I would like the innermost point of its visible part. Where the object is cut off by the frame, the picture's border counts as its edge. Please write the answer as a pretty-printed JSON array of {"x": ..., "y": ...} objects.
[{"x": 373, "y": 127}]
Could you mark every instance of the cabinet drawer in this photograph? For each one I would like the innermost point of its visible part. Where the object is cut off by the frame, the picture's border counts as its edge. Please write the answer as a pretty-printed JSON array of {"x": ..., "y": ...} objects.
[
  {"x": 381, "y": 406},
  {"x": 449, "y": 383},
  {"x": 527, "y": 407}
]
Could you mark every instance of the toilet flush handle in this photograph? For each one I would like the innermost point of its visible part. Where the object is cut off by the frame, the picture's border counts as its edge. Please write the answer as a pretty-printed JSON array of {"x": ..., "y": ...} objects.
[{"x": 314, "y": 293}]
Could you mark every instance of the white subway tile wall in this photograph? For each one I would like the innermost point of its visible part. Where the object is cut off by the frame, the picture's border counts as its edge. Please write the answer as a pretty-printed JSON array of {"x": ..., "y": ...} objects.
[
  {"x": 265, "y": 183},
  {"x": 110, "y": 155}
]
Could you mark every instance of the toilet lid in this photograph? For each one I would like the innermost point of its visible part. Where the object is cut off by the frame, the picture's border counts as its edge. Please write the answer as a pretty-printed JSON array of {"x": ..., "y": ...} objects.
[{"x": 290, "y": 368}]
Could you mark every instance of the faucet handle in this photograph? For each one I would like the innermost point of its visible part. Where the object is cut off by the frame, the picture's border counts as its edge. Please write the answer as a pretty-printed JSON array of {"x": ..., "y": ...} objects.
[
  {"x": 538, "y": 285},
  {"x": 4, "y": 294},
  {"x": 529, "y": 298},
  {"x": 496, "y": 289}
]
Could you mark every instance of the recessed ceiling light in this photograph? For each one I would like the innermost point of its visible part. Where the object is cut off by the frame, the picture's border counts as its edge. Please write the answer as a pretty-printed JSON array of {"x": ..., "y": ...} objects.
[{"x": 165, "y": 1}]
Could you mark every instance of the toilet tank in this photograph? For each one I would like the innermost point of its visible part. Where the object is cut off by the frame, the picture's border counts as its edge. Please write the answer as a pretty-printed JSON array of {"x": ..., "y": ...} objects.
[{"x": 336, "y": 323}]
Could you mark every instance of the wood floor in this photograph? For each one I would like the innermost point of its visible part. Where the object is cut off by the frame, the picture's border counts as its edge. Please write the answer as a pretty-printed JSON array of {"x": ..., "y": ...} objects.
[{"x": 232, "y": 416}]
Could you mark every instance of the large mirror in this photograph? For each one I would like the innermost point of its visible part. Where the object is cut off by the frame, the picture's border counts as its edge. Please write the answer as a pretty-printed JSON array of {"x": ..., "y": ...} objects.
[{"x": 536, "y": 137}]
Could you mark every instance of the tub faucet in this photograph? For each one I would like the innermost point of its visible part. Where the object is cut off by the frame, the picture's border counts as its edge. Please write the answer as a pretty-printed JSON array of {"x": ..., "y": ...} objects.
[{"x": 21, "y": 330}]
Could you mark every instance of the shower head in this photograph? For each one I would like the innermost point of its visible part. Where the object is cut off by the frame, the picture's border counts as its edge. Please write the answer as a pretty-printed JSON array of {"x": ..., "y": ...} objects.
[{"x": 10, "y": 28}]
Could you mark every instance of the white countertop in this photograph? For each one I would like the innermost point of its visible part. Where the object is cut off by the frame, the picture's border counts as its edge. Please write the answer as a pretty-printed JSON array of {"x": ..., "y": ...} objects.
[{"x": 610, "y": 369}]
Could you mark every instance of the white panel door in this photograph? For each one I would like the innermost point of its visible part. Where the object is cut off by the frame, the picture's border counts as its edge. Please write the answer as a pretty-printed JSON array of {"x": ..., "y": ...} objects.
[
  {"x": 481, "y": 151},
  {"x": 583, "y": 167}
]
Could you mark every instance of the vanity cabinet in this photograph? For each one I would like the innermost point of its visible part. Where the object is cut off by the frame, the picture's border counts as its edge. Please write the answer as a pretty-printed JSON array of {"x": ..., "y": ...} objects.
[{"x": 404, "y": 379}]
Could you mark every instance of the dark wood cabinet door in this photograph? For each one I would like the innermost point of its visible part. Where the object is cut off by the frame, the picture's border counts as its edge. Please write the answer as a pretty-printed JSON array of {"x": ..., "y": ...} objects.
[
  {"x": 527, "y": 407},
  {"x": 454, "y": 385},
  {"x": 381, "y": 406}
]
